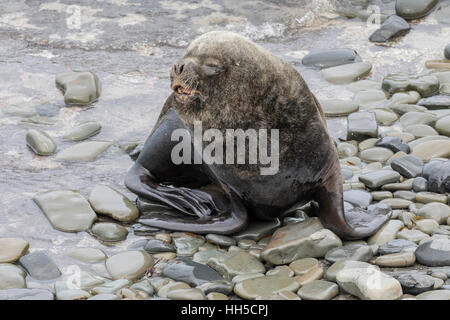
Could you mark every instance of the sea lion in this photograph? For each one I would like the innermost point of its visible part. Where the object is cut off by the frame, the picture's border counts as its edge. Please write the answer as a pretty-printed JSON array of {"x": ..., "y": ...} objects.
[{"x": 226, "y": 81}]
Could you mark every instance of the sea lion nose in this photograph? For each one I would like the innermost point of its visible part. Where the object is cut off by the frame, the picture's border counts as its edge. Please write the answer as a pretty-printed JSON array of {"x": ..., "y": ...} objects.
[{"x": 178, "y": 67}]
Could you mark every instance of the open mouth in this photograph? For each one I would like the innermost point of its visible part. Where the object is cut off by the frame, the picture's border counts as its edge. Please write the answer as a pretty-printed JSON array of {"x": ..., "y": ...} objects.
[
  {"x": 183, "y": 90},
  {"x": 184, "y": 94}
]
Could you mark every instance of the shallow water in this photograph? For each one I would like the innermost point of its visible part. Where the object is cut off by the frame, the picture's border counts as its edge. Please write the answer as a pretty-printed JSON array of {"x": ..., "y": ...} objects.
[{"x": 130, "y": 45}]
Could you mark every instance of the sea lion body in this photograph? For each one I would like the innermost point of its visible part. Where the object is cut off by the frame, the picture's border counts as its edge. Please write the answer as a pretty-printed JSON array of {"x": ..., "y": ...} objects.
[{"x": 225, "y": 81}]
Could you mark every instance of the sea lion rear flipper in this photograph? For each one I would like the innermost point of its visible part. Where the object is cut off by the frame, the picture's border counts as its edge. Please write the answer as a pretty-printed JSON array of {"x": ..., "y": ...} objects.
[{"x": 354, "y": 224}]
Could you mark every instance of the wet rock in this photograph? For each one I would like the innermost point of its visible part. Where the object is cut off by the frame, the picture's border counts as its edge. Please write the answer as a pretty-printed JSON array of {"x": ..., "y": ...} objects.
[
  {"x": 356, "y": 252},
  {"x": 186, "y": 294},
  {"x": 428, "y": 226},
  {"x": 420, "y": 184},
  {"x": 236, "y": 263},
  {"x": 362, "y": 125},
  {"x": 347, "y": 73},
  {"x": 435, "y": 102},
  {"x": 79, "y": 88},
  {"x": 40, "y": 142},
  {"x": 25, "y": 294},
  {"x": 105, "y": 200},
  {"x": 414, "y": 117},
  {"x": 385, "y": 117},
  {"x": 406, "y": 195},
  {"x": 434, "y": 253},
  {"x": 438, "y": 175},
  {"x": 280, "y": 271},
  {"x": 409, "y": 97},
  {"x": 300, "y": 240},
  {"x": 143, "y": 286},
  {"x": 408, "y": 166},
  {"x": 216, "y": 296},
  {"x": 83, "y": 131},
  {"x": 318, "y": 290},
  {"x": 63, "y": 292},
  {"x": 187, "y": 245},
  {"x": 11, "y": 249},
  {"x": 203, "y": 256},
  {"x": 386, "y": 233},
  {"x": 258, "y": 230},
  {"x": 220, "y": 240},
  {"x": 369, "y": 99},
  {"x": 84, "y": 151},
  {"x": 393, "y": 27},
  {"x": 396, "y": 246},
  {"x": 405, "y": 185},
  {"x": 110, "y": 232},
  {"x": 420, "y": 130},
  {"x": 128, "y": 147},
  {"x": 434, "y": 295},
  {"x": 432, "y": 149},
  {"x": 376, "y": 154},
  {"x": 381, "y": 195},
  {"x": 337, "y": 108},
  {"x": 415, "y": 283},
  {"x": 405, "y": 108},
  {"x": 378, "y": 178},
  {"x": 412, "y": 235},
  {"x": 156, "y": 246},
  {"x": 252, "y": 288},
  {"x": 437, "y": 211},
  {"x": 129, "y": 264},
  {"x": 88, "y": 255},
  {"x": 427, "y": 197},
  {"x": 11, "y": 277},
  {"x": 218, "y": 286},
  {"x": 346, "y": 149},
  {"x": 443, "y": 126},
  {"x": 358, "y": 198},
  {"x": 330, "y": 58},
  {"x": 190, "y": 272},
  {"x": 345, "y": 264},
  {"x": 426, "y": 85},
  {"x": 39, "y": 266},
  {"x": 303, "y": 266},
  {"x": 400, "y": 259},
  {"x": 359, "y": 282},
  {"x": 414, "y": 9},
  {"x": 312, "y": 275}
]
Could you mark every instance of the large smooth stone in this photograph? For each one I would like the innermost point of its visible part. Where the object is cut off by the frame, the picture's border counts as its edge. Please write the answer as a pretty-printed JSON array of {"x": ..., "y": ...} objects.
[
  {"x": 378, "y": 178},
  {"x": 394, "y": 144},
  {"x": 318, "y": 290},
  {"x": 396, "y": 246},
  {"x": 79, "y": 88},
  {"x": 347, "y": 73},
  {"x": 187, "y": 245},
  {"x": 105, "y": 200},
  {"x": 414, "y": 9},
  {"x": 83, "y": 131},
  {"x": 432, "y": 149},
  {"x": 376, "y": 154},
  {"x": 108, "y": 231},
  {"x": 443, "y": 126},
  {"x": 40, "y": 142},
  {"x": 426, "y": 85},
  {"x": 220, "y": 240},
  {"x": 333, "y": 270},
  {"x": 403, "y": 108},
  {"x": 258, "y": 230},
  {"x": 435, "y": 102},
  {"x": 358, "y": 198},
  {"x": 330, "y": 58},
  {"x": 11, "y": 276},
  {"x": 415, "y": 283},
  {"x": 408, "y": 166},
  {"x": 355, "y": 252},
  {"x": 421, "y": 130},
  {"x": 129, "y": 265},
  {"x": 400, "y": 259},
  {"x": 11, "y": 249},
  {"x": 362, "y": 125},
  {"x": 157, "y": 246},
  {"x": 39, "y": 265},
  {"x": 404, "y": 97},
  {"x": 300, "y": 240},
  {"x": 87, "y": 255},
  {"x": 386, "y": 233},
  {"x": 190, "y": 272},
  {"x": 236, "y": 263},
  {"x": 186, "y": 294},
  {"x": 252, "y": 288},
  {"x": 363, "y": 85},
  {"x": 434, "y": 253},
  {"x": 338, "y": 108},
  {"x": 434, "y": 295},
  {"x": 437, "y": 211},
  {"x": 67, "y": 210},
  {"x": 414, "y": 117},
  {"x": 385, "y": 117},
  {"x": 369, "y": 284},
  {"x": 369, "y": 99},
  {"x": 25, "y": 294},
  {"x": 84, "y": 151},
  {"x": 412, "y": 235},
  {"x": 393, "y": 27}
]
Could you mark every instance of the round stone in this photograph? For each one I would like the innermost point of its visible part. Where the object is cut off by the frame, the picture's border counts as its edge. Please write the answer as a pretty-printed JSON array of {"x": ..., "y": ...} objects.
[
  {"x": 437, "y": 211},
  {"x": 88, "y": 255},
  {"x": 216, "y": 296},
  {"x": 83, "y": 131},
  {"x": 400, "y": 259},
  {"x": 428, "y": 226},
  {"x": 84, "y": 151},
  {"x": 421, "y": 130},
  {"x": 186, "y": 294},
  {"x": 386, "y": 233},
  {"x": 414, "y": 9},
  {"x": 356, "y": 252},
  {"x": 432, "y": 149},
  {"x": 347, "y": 73},
  {"x": 40, "y": 266},
  {"x": 318, "y": 290},
  {"x": 443, "y": 126},
  {"x": 11, "y": 249},
  {"x": 252, "y": 288},
  {"x": 129, "y": 264},
  {"x": 345, "y": 264},
  {"x": 11, "y": 277},
  {"x": 303, "y": 266},
  {"x": 221, "y": 240},
  {"x": 337, "y": 108},
  {"x": 415, "y": 283},
  {"x": 110, "y": 232},
  {"x": 40, "y": 142},
  {"x": 236, "y": 263},
  {"x": 434, "y": 253}
]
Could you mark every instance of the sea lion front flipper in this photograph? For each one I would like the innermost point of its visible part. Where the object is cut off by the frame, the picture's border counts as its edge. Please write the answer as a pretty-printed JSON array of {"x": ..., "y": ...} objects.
[
  {"x": 155, "y": 177},
  {"x": 354, "y": 224}
]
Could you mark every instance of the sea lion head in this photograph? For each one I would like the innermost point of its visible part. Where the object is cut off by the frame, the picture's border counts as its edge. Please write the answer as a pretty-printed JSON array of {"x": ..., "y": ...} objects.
[{"x": 224, "y": 77}]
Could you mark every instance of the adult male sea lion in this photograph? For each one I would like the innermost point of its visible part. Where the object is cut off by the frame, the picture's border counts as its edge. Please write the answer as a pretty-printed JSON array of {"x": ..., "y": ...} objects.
[{"x": 228, "y": 82}]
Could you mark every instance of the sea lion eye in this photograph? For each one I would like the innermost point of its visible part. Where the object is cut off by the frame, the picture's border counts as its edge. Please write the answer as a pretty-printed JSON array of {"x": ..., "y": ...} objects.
[{"x": 212, "y": 69}]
